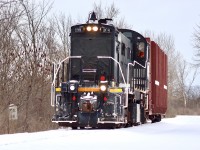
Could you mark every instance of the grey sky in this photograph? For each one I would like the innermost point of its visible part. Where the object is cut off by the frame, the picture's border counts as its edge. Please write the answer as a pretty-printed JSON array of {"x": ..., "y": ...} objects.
[
  {"x": 173, "y": 17},
  {"x": 177, "y": 18}
]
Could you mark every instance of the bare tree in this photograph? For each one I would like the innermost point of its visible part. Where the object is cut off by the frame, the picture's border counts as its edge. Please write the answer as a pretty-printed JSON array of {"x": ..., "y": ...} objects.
[
  {"x": 29, "y": 43},
  {"x": 111, "y": 12},
  {"x": 30, "y": 34},
  {"x": 63, "y": 29},
  {"x": 9, "y": 61},
  {"x": 197, "y": 45}
]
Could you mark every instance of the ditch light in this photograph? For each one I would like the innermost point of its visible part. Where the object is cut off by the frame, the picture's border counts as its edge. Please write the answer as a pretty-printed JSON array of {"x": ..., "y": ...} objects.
[{"x": 103, "y": 85}]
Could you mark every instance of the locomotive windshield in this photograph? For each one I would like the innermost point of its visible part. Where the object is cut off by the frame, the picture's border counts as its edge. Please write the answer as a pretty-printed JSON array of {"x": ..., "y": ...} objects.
[{"x": 91, "y": 45}]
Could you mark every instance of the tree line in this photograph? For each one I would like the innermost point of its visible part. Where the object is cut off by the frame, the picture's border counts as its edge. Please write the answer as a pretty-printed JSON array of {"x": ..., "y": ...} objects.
[{"x": 31, "y": 39}]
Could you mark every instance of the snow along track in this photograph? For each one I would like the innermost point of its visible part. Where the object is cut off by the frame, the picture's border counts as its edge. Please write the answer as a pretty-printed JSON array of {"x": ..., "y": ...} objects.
[{"x": 182, "y": 132}]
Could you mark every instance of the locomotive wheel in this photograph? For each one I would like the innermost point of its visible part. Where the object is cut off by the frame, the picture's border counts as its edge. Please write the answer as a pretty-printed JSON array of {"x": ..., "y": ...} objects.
[
  {"x": 112, "y": 126},
  {"x": 136, "y": 124},
  {"x": 158, "y": 118},
  {"x": 129, "y": 124},
  {"x": 74, "y": 128}
]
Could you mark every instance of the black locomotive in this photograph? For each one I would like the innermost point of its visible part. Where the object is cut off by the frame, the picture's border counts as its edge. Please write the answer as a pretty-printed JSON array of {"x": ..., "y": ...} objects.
[{"x": 104, "y": 82}]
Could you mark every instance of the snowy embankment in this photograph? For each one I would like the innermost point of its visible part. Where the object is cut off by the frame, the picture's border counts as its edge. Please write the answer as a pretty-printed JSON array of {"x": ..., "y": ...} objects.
[{"x": 180, "y": 133}]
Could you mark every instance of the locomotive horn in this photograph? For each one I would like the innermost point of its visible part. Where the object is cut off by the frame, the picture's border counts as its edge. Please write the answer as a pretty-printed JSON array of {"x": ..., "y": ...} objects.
[{"x": 93, "y": 16}]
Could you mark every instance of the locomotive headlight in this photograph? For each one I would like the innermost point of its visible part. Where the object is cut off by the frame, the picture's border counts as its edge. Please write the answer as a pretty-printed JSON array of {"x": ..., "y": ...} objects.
[
  {"x": 103, "y": 85},
  {"x": 73, "y": 86},
  {"x": 89, "y": 28},
  {"x": 95, "y": 28},
  {"x": 103, "y": 88}
]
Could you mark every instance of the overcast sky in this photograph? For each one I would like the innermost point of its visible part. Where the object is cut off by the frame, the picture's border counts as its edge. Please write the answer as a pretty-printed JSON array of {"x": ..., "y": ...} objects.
[{"x": 177, "y": 18}]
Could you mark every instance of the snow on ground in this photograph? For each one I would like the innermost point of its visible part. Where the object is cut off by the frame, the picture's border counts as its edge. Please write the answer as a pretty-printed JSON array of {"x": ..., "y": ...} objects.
[{"x": 180, "y": 133}]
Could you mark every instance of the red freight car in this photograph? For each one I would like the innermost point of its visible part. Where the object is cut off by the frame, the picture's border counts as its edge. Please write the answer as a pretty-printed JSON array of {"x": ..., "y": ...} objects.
[{"x": 158, "y": 80}]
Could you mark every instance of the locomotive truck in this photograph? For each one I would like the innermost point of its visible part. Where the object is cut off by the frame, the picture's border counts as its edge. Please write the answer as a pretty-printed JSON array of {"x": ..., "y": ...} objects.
[{"x": 112, "y": 78}]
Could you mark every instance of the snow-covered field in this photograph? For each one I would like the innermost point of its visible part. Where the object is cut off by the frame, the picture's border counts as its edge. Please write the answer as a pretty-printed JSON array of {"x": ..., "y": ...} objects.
[{"x": 180, "y": 133}]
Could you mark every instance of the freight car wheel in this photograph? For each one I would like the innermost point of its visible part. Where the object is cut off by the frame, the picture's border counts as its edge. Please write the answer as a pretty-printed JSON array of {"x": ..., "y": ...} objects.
[
  {"x": 155, "y": 118},
  {"x": 152, "y": 118},
  {"x": 158, "y": 118}
]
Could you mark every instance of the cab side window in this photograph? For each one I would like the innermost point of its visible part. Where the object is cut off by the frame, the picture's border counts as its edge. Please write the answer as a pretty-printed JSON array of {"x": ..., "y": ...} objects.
[
  {"x": 140, "y": 48},
  {"x": 123, "y": 49}
]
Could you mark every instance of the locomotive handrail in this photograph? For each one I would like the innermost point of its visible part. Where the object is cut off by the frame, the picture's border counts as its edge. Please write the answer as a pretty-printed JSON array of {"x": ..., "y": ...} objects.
[
  {"x": 54, "y": 77},
  {"x": 60, "y": 63},
  {"x": 108, "y": 57},
  {"x": 133, "y": 64}
]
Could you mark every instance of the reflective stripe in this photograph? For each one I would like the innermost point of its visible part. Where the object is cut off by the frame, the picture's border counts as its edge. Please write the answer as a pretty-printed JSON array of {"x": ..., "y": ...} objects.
[
  {"x": 58, "y": 89},
  {"x": 115, "y": 90},
  {"x": 88, "y": 89}
]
